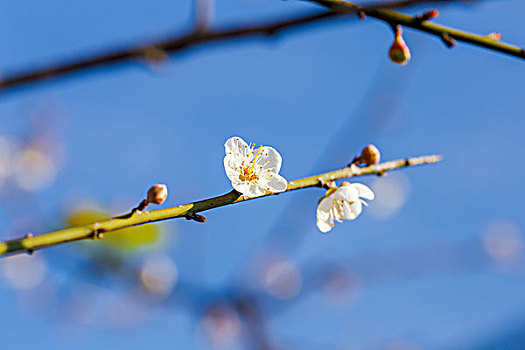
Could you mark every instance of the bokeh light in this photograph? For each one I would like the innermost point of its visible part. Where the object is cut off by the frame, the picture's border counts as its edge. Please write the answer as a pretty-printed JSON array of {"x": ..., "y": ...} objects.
[
  {"x": 283, "y": 279},
  {"x": 339, "y": 285},
  {"x": 24, "y": 271},
  {"x": 34, "y": 170},
  {"x": 391, "y": 194},
  {"x": 503, "y": 240},
  {"x": 158, "y": 275},
  {"x": 222, "y": 325}
]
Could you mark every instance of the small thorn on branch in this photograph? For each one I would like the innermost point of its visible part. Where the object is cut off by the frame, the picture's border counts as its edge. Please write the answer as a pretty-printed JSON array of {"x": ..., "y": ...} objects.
[
  {"x": 153, "y": 54},
  {"x": 449, "y": 41},
  {"x": 425, "y": 16},
  {"x": 195, "y": 217},
  {"x": 326, "y": 184},
  {"x": 97, "y": 232},
  {"x": 29, "y": 251}
]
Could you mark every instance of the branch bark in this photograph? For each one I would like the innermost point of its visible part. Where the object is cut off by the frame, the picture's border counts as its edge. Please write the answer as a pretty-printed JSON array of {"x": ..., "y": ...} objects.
[
  {"x": 159, "y": 50},
  {"x": 96, "y": 230}
]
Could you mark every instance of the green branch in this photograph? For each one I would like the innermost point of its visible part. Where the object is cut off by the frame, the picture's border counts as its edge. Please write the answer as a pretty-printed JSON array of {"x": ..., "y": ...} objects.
[
  {"x": 448, "y": 35},
  {"x": 97, "y": 230}
]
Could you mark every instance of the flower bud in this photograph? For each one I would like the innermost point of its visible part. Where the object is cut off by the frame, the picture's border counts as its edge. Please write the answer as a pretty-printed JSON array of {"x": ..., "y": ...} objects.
[
  {"x": 370, "y": 155},
  {"x": 157, "y": 194},
  {"x": 399, "y": 52}
]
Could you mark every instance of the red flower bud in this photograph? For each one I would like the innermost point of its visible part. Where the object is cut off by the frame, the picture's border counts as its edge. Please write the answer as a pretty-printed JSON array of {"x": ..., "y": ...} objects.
[{"x": 399, "y": 52}]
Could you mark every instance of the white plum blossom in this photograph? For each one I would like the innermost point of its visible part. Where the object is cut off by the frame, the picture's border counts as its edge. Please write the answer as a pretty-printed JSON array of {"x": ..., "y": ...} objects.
[
  {"x": 252, "y": 171},
  {"x": 342, "y": 203}
]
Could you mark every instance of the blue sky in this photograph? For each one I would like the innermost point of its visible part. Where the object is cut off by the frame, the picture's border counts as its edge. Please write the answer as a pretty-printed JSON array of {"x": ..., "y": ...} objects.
[{"x": 427, "y": 276}]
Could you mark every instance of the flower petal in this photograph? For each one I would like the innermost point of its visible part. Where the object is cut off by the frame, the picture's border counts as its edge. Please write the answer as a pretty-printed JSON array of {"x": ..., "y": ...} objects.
[
  {"x": 323, "y": 209},
  {"x": 233, "y": 144},
  {"x": 241, "y": 186},
  {"x": 356, "y": 209},
  {"x": 275, "y": 182},
  {"x": 364, "y": 191},
  {"x": 324, "y": 216},
  {"x": 269, "y": 159},
  {"x": 253, "y": 190},
  {"x": 230, "y": 166},
  {"x": 238, "y": 148},
  {"x": 346, "y": 193},
  {"x": 323, "y": 226}
]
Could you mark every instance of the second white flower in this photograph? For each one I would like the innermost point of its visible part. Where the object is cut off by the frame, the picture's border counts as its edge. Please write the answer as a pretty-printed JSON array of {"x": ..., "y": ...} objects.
[{"x": 342, "y": 203}]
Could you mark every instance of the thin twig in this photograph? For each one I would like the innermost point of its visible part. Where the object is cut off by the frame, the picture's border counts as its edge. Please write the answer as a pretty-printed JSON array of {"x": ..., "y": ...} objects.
[
  {"x": 97, "y": 230},
  {"x": 446, "y": 34},
  {"x": 159, "y": 50},
  {"x": 203, "y": 13}
]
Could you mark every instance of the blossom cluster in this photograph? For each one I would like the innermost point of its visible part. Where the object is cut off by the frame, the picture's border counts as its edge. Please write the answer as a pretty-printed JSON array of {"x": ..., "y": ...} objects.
[{"x": 254, "y": 172}]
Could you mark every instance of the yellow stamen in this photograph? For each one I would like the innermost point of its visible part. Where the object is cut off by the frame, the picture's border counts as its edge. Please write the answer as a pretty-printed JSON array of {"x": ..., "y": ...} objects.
[{"x": 249, "y": 171}]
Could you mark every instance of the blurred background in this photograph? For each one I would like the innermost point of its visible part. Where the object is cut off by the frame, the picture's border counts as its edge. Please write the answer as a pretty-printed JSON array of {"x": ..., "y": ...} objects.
[{"x": 435, "y": 262}]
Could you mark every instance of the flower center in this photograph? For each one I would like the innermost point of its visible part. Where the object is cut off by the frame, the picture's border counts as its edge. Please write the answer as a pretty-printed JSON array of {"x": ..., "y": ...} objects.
[
  {"x": 338, "y": 208},
  {"x": 250, "y": 170},
  {"x": 247, "y": 173}
]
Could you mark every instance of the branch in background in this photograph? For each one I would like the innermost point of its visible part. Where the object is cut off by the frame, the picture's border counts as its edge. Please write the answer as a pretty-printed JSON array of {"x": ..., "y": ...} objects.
[
  {"x": 448, "y": 35},
  {"x": 203, "y": 13},
  {"x": 189, "y": 211},
  {"x": 158, "y": 50}
]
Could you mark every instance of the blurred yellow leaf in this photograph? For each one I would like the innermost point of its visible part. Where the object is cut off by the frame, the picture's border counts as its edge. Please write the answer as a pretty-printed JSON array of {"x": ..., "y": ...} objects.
[{"x": 128, "y": 238}]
